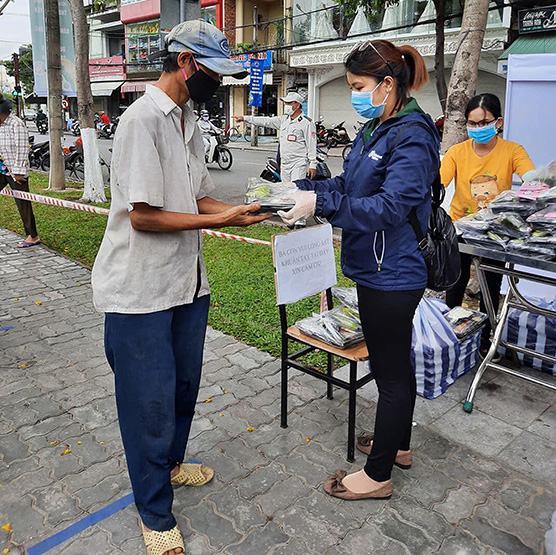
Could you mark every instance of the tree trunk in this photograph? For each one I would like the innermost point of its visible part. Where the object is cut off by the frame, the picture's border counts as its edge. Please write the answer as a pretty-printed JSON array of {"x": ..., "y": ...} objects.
[
  {"x": 465, "y": 73},
  {"x": 93, "y": 190},
  {"x": 54, "y": 76},
  {"x": 441, "y": 87}
]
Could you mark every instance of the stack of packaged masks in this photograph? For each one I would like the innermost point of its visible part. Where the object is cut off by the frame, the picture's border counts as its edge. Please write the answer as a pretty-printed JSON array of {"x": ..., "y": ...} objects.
[
  {"x": 271, "y": 196},
  {"x": 340, "y": 326},
  {"x": 522, "y": 222},
  {"x": 465, "y": 322}
]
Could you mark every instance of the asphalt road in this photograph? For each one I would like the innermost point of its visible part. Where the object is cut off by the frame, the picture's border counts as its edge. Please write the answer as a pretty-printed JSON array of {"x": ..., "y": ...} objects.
[{"x": 230, "y": 184}]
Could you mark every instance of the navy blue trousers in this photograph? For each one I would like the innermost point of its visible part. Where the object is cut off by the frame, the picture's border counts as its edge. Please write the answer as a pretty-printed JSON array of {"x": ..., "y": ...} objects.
[{"x": 157, "y": 360}]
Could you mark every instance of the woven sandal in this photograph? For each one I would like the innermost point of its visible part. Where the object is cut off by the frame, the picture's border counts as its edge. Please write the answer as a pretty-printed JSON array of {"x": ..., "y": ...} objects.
[
  {"x": 334, "y": 487},
  {"x": 193, "y": 475},
  {"x": 404, "y": 459},
  {"x": 159, "y": 543}
]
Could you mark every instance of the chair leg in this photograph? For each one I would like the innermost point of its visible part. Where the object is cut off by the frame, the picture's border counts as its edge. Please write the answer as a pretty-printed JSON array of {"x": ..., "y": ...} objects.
[
  {"x": 329, "y": 367},
  {"x": 284, "y": 395},
  {"x": 351, "y": 411}
]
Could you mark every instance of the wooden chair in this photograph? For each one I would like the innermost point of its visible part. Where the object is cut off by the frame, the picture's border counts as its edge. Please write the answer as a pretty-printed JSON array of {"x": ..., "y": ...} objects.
[{"x": 354, "y": 354}]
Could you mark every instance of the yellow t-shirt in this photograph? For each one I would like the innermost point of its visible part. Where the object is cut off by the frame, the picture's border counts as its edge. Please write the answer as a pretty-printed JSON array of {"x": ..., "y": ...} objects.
[{"x": 479, "y": 179}]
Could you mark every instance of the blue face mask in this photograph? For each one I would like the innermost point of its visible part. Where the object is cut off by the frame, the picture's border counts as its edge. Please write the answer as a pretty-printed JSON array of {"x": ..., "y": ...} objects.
[
  {"x": 483, "y": 135},
  {"x": 362, "y": 102}
]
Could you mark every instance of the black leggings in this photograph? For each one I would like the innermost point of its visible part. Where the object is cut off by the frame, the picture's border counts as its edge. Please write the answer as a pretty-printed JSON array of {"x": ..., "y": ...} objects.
[
  {"x": 454, "y": 297},
  {"x": 387, "y": 320}
]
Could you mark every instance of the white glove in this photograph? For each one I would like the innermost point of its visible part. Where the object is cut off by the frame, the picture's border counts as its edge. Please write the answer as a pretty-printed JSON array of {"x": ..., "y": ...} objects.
[{"x": 305, "y": 203}]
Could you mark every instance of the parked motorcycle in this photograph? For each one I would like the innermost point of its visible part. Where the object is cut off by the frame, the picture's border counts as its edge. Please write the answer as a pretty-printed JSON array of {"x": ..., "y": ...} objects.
[
  {"x": 338, "y": 135},
  {"x": 321, "y": 133},
  {"x": 36, "y": 152},
  {"x": 347, "y": 148},
  {"x": 108, "y": 130},
  {"x": 219, "y": 153},
  {"x": 271, "y": 170}
]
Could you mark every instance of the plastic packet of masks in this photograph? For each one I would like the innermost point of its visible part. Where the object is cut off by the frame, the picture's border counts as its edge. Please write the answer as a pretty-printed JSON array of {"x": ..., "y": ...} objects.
[
  {"x": 541, "y": 184},
  {"x": 511, "y": 224},
  {"x": 271, "y": 196},
  {"x": 340, "y": 327},
  {"x": 347, "y": 296},
  {"x": 479, "y": 222},
  {"x": 543, "y": 237},
  {"x": 490, "y": 239},
  {"x": 465, "y": 322},
  {"x": 508, "y": 201},
  {"x": 545, "y": 217},
  {"x": 524, "y": 247}
]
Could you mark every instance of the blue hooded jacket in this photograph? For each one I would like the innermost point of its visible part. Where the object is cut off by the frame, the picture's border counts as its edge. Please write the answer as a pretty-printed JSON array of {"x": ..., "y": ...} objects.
[{"x": 385, "y": 176}]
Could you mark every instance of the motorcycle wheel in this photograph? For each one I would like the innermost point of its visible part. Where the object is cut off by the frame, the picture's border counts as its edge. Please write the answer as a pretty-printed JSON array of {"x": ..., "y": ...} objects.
[
  {"x": 78, "y": 168},
  {"x": 224, "y": 158},
  {"x": 346, "y": 151},
  {"x": 332, "y": 143},
  {"x": 45, "y": 163}
]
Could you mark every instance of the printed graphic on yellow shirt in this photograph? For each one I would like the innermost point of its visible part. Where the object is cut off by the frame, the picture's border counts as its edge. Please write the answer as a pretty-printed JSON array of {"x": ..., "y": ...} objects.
[{"x": 484, "y": 189}]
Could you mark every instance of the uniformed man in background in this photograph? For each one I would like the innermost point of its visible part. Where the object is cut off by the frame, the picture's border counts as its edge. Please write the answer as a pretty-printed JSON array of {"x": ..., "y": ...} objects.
[{"x": 298, "y": 138}]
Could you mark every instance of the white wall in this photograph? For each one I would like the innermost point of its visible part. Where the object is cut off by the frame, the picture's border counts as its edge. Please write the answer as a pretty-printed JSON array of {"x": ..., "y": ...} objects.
[{"x": 335, "y": 98}]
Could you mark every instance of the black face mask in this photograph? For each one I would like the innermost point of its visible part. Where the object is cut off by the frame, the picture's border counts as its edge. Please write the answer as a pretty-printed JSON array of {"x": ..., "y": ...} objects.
[{"x": 200, "y": 85}]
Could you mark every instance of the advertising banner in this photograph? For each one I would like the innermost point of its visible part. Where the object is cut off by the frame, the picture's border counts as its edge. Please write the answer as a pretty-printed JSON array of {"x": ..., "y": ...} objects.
[
  {"x": 256, "y": 72},
  {"x": 38, "y": 37}
]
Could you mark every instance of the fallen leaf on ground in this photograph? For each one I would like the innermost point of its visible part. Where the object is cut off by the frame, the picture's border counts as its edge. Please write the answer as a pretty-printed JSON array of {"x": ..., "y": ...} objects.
[
  {"x": 7, "y": 527},
  {"x": 5, "y": 551},
  {"x": 250, "y": 429},
  {"x": 22, "y": 365},
  {"x": 66, "y": 451},
  {"x": 38, "y": 302},
  {"x": 54, "y": 442},
  {"x": 308, "y": 439},
  {"x": 79, "y": 442},
  {"x": 209, "y": 400},
  {"x": 221, "y": 414}
]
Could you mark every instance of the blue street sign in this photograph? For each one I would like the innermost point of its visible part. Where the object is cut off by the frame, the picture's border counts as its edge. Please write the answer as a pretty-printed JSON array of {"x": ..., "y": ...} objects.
[{"x": 256, "y": 72}]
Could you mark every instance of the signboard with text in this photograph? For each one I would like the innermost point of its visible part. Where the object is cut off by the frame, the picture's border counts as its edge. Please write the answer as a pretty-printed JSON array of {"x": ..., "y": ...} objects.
[
  {"x": 142, "y": 40},
  {"x": 256, "y": 73},
  {"x": 537, "y": 20},
  {"x": 304, "y": 263},
  {"x": 244, "y": 60},
  {"x": 102, "y": 69}
]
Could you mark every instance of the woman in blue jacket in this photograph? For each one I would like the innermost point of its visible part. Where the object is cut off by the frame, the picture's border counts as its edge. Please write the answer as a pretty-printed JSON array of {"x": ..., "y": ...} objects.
[{"x": 389, "y": 172}]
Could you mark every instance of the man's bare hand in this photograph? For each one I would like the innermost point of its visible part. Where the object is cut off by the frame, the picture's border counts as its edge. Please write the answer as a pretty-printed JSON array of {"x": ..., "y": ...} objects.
[
  {"x": 239, "y": 119},
  {"x": 19, "y": 178},
  {"x": 243, "y": 215},
  {"x": 311, "y": 173}
]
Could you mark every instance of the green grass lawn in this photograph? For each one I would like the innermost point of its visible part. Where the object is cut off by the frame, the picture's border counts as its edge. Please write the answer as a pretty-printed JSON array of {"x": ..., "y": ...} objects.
[{"x": 241, "y": 276}]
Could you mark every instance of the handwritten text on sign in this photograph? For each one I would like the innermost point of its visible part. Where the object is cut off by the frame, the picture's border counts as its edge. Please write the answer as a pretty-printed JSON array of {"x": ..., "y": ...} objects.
[{"x": 304, "y": 262}]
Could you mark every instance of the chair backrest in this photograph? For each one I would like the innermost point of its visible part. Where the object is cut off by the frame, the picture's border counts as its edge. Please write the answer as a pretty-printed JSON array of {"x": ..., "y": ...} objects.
[{"x": 304, "y": 263}]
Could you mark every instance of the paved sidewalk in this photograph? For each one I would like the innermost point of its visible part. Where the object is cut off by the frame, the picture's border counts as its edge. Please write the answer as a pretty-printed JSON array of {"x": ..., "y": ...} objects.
[{"x": 481, "y": 483}]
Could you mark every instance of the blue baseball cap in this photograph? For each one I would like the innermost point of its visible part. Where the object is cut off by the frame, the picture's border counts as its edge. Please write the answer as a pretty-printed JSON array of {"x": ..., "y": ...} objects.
[{"x": 207, "y": 43}]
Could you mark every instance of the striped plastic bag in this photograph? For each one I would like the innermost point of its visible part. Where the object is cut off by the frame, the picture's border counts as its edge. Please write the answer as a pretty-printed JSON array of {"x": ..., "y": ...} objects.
[
  {"x": 533, "y": 331},
  {"x": 469, "y": 355},
  {"x": 435, "y": 350}
]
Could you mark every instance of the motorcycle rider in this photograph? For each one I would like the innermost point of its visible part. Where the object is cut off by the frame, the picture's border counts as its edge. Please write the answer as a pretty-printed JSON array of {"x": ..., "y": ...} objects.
[
  {"x": 298, "y": 138},
  {"x": 207, "y": 128},
  {"x": 41, "y": 119}
]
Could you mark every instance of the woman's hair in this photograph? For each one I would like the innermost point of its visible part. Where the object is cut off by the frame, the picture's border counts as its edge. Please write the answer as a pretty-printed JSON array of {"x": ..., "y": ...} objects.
[
  {"x": 5, "y": 105},
  {"x": 381, "y": 58},
  {"x": 487, "y": 102}
]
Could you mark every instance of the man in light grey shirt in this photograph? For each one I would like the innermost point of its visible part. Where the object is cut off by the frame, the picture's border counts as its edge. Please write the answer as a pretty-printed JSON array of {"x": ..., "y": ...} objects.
[{"x": 149, "y": 276}]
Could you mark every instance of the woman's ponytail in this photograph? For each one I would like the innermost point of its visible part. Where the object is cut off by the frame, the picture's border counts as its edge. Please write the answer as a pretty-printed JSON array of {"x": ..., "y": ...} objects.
[{"x": 418, "y": 74}]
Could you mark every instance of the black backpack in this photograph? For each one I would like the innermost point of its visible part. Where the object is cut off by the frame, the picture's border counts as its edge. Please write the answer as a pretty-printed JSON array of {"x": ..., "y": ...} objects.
[{"x": 440, "y": 245}]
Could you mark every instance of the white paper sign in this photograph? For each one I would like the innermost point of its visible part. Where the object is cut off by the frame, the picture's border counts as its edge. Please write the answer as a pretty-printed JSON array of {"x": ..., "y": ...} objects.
[{"x": 304, "y": 263}]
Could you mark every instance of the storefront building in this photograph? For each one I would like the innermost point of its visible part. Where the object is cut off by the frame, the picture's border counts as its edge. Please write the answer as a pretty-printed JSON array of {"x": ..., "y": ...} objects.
[{"x": 328, "y": 94}]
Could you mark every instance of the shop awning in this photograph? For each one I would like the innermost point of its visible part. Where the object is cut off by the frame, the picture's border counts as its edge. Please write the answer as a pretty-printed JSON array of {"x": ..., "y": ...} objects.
[
  {"x": 531, "y": 45},
  {"x": 228, "y": 80},
  {"x": 104, "y": 88},
  {"x": 135, "y": 86}
]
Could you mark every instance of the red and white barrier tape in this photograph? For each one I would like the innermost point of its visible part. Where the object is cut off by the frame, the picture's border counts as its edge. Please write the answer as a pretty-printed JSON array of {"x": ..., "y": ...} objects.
[{"x": 7, "y": 192}]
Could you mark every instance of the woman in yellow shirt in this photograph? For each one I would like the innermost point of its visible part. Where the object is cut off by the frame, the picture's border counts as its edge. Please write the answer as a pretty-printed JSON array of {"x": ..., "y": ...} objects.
[{"x": 482, "y": 167}]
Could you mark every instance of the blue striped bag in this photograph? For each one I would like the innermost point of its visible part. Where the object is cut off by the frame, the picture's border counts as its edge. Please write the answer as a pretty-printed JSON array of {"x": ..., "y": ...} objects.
[
  {"x": 469, "y": 355},
  {"x": 435, "y": 349},
  {"x": 533, "y": 331}
]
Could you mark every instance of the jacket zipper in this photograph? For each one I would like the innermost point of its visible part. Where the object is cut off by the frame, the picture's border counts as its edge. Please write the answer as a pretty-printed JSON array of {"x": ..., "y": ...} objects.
[{"x": 379, "y": 259}]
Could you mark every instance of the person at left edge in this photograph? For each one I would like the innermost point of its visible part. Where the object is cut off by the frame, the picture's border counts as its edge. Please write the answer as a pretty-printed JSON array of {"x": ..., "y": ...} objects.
[
  {"x": 149, "y": 276},
  {"x": 297, "y": 136}
]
